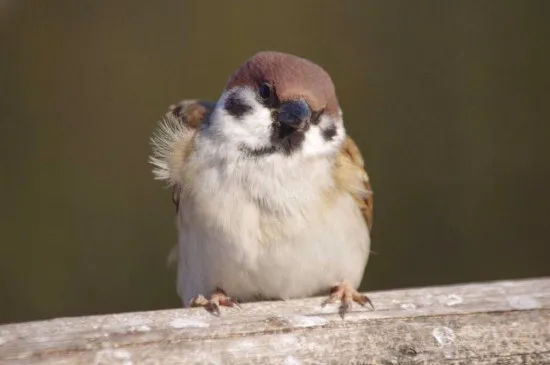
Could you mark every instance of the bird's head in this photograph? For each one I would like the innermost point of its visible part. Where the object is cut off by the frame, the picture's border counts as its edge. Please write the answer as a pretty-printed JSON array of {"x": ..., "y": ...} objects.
[{"x": 277, "y": 103}]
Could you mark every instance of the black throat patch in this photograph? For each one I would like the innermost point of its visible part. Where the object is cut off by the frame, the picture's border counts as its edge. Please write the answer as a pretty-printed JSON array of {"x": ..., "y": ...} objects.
[
  {"x": 284, "y": 139},
  {"x": 287, "y": 139}
]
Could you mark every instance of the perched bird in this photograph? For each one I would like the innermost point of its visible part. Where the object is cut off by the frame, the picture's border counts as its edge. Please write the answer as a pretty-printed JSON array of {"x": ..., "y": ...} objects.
[{"x": 272, "y": 197}]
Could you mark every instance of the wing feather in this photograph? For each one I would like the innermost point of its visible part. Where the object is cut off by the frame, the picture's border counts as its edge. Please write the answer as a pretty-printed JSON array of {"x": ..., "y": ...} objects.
[
  {"x": 351, "y": 175},
  {"x": 172, "y": 141}
]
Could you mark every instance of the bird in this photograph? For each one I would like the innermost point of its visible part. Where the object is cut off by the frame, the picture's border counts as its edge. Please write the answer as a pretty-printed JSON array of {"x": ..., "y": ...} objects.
[{"x": 272, "y": 198}]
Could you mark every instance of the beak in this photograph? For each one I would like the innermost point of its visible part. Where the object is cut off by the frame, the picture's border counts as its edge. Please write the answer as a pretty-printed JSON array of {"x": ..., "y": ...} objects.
[{"x": 295, "y": 113}]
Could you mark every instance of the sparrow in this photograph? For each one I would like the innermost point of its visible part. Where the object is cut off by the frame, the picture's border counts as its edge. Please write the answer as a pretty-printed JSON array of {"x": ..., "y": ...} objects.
[{"x": 272, "y": 197}]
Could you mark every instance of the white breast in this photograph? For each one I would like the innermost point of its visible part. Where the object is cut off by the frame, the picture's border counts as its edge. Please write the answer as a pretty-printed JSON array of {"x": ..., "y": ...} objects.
[{"x": 263, "y": 229}]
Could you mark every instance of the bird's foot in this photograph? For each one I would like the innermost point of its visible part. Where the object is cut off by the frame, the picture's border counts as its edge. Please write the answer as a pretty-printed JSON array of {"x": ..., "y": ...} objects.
[
  {"x": 217, "y": 298},
  {"x": 346, "y": 294}
]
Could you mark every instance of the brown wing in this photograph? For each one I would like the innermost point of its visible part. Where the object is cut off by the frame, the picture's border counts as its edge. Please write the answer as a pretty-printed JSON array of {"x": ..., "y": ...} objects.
[
  {"x": 352, "y": 176},
  {"x": 191, "y": 112},
  {"x": 187, "y": 115}
]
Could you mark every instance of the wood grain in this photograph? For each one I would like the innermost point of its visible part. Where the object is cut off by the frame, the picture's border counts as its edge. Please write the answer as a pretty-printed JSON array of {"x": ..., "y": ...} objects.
[{"x": 504, "y": 322}]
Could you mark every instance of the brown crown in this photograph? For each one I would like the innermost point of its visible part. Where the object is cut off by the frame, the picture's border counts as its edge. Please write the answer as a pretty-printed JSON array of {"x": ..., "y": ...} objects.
[{"x": 291, "y": 76}]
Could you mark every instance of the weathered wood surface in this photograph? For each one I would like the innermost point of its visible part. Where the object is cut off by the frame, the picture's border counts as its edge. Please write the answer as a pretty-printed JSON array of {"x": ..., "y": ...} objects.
[{"x": 490, "y": 323}]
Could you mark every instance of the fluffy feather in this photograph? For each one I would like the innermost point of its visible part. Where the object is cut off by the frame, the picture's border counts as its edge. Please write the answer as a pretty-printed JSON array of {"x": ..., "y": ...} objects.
[
  {"x": 173, "y": 142},
  {"x": 272, "y": 197}
]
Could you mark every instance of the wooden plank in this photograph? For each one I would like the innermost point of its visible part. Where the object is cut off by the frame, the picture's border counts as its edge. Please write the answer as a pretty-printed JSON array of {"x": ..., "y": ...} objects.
[{"x": 488, "y": 323}]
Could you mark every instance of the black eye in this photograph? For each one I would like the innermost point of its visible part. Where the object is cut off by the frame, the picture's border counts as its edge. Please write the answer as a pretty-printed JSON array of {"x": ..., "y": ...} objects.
[{"x": 265, "y": 91}]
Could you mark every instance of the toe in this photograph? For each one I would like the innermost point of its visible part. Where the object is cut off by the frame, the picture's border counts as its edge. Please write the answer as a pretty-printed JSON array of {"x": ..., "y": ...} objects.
[
  {"x": 198, "y": 301},
  {"x": 345, "y": 307},
  {"x": 230, "y": 302},
  {"x": 363, "y": 300},
  {"x": 214, "y": 308},
  {"x": 346, "y": 295}
]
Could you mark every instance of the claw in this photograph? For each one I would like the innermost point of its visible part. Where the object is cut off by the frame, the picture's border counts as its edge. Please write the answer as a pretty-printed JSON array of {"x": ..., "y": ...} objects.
[
  {"x": 346, "y": 294},
  {"x": 230, "y": 302},
  {"x": 344, "y": 308},
  {"x": 363, "y": 300},
  {"x": 214, "y": 308},
  {"x": 212, "y": 305}
]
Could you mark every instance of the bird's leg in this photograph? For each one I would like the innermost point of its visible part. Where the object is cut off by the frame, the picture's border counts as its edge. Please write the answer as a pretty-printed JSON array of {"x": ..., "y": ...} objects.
[
  {"x": 217, "y": 298},
  {"x": 346, "y": 294}
]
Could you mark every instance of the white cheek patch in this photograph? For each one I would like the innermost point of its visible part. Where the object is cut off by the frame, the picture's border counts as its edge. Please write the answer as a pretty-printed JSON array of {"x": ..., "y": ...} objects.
[
  {"x": 325, "y": 138},
  {"x": 252, "y": 128},
  {"x": 240, "y": 120}
]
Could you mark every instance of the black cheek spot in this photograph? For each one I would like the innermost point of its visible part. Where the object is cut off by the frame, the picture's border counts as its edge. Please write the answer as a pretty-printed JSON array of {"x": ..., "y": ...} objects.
[
  {"x": 236, "y": 107},
  {"x": 329, "y": 133}
]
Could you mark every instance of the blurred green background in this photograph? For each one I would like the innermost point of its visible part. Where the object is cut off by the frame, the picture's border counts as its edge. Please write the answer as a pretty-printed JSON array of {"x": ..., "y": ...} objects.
[{"x": 449, "y": 102}]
